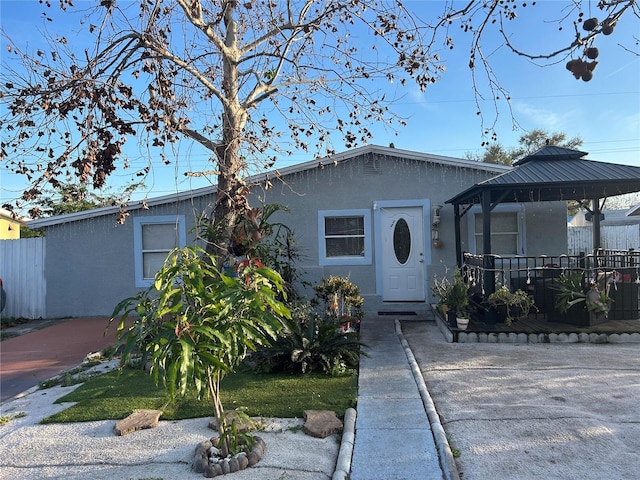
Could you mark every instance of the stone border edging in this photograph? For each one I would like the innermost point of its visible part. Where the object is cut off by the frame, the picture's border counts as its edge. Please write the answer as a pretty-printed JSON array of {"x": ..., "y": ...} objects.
[
  {"x": 512, "y": 337},
  {"x": 343, "y": 464},
  {"x": 447, "y": 462},
  {"x": 573, "y": 337}
]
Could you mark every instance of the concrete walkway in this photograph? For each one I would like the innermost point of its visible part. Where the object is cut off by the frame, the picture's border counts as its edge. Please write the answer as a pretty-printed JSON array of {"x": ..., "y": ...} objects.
[{"x": 393, "y": 438}]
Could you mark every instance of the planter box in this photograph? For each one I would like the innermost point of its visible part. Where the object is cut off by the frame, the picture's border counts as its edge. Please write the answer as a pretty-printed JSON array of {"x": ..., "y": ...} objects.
[
  {"x": 576, "y": 315},
  {"x": 625, "y": 301},
  {"x": 452, "y": 319}
]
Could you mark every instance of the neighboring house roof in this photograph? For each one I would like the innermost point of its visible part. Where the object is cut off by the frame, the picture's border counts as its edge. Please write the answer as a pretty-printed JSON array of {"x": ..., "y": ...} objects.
[
  {"x": 610, "y": 217},
  {"x": 7, "y": 215},
  {"x": 10, "y": 225},
  {"x": 554, "y": 173},
  {"x": 292, "y": 169},
  {"x": 633, "y": 211}
]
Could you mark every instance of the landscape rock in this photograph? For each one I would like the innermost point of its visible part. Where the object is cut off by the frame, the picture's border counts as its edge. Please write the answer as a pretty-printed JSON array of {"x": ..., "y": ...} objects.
[
  {"x": 199, "y": 464},
  {"x": 321, "y": 423},
  {"x": 138, "y": 420}
]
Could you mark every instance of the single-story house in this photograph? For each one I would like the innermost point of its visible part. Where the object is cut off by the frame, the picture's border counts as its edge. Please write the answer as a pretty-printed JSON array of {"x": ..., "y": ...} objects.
[{"x": 374, "y": 214}]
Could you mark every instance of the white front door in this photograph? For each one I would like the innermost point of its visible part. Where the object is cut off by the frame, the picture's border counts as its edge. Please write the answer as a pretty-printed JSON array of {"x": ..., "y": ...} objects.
[{"x": 403, "y": 260}]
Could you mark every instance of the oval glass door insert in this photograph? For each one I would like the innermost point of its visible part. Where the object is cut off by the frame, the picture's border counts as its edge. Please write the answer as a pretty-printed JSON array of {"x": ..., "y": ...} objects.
[{"x": 402, "y": 241}]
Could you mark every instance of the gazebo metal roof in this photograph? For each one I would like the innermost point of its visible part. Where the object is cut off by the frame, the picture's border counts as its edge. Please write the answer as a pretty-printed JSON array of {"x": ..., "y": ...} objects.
[{"x": 554, "y": 173}]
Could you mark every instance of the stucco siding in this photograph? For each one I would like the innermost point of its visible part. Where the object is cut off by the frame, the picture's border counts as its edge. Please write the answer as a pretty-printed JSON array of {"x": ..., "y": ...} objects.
[
  {"x": 90, "y": 261},
  {"x": 90, "y": 265},
  {"x": 359, "y": 184}
]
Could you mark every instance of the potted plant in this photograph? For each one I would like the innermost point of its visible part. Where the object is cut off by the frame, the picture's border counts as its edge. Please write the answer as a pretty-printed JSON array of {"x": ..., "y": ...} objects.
[
  {"x": 510, "y": 306},
  {"x": 579, "y": 305},
  {"x": 454, "y": 297},
  {"x": 441, "y": 289}
]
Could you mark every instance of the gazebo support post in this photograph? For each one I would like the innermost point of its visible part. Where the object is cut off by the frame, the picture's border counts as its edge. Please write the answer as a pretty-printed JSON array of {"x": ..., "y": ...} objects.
[
  {"x": 489, "y": 279},
  {"x": 456, "y": 227},
  {"x": 595, "y": 206},
  {"x": 488, "y": 260}
]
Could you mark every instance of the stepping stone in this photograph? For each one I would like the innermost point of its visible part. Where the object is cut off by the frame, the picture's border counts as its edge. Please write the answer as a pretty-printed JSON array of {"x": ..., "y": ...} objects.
[
  {"x": 138, "y": 420},
  {"x": 321, "y": 423}
]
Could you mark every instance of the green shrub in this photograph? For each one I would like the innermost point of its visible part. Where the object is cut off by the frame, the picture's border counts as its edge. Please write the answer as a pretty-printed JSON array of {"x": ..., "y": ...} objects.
[
  {"x": 340, "y": 297},
  {"x": 313, "y": 345},
  {"x": 312, "y": 342}
]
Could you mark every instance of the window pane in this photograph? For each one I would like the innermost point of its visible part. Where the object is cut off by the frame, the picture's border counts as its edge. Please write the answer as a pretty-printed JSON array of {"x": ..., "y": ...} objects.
[
  {"x": 504, "y": 244},
  {"x": 151, "y": 263},
  {"x": 402, "y": 241},
  {"x": 504, "y": 233},
  {"x": 342, "y": 247},
  {"x": 504, "y": 222},
  {"x": 500, "y": 222},
  {"x": 159, "y": 236},
  {"x": 344, "y": 226}
]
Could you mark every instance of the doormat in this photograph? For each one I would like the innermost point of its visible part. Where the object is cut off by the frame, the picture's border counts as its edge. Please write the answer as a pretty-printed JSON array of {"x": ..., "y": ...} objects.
[{"x": 397, "y": 313}]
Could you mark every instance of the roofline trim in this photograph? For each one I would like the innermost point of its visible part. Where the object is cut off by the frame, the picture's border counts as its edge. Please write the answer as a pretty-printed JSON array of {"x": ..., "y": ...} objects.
[{"x": 276, "y": 173}]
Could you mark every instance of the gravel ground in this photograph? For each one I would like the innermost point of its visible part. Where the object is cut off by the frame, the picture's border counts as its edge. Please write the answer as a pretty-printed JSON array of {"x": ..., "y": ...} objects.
[
  {"x": 534, "y": 411},
  {"x": 29, "y": 450}
]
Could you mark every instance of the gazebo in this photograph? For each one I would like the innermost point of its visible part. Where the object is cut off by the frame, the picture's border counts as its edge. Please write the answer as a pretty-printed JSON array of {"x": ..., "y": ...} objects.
[{"x": 550, "y": 174}]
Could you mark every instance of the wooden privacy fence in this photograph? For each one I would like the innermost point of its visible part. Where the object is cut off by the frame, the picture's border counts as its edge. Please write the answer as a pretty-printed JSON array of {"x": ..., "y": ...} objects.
[{"x": 22, "y": 273}]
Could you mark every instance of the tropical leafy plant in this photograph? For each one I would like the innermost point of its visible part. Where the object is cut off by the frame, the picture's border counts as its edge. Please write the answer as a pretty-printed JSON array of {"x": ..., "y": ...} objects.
[
  {"x": 319, "y": 342},
  {"x": 570, "y": 291},
  {"x": 195, "y": 324},
  {"x": 309, "y": 344}
]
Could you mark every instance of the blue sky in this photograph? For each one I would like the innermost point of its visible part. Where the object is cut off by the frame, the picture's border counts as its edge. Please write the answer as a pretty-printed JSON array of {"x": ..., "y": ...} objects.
[{"x": 604, "y": 112}]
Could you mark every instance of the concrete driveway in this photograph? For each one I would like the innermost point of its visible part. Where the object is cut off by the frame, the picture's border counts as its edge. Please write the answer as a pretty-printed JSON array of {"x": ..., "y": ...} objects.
[{"x": 532, "y": 411}]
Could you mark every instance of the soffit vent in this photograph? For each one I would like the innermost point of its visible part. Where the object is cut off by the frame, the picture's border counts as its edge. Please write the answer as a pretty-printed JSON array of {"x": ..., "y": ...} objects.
[{"x": 372, "y": 166}]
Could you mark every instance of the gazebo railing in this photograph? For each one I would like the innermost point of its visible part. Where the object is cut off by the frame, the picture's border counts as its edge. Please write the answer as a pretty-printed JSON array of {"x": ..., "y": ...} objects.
[{"x": 617, "y": 271}]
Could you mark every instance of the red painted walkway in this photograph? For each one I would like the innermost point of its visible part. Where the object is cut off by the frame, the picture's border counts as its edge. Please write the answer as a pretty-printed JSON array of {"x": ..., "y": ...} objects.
[{"x": 28, "y": 359}]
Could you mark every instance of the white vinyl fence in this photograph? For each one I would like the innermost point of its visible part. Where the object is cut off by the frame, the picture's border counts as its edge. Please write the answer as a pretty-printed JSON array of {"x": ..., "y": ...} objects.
[
  {"x": 612, "y": 237},
  {"x": 22, "y": 273}
]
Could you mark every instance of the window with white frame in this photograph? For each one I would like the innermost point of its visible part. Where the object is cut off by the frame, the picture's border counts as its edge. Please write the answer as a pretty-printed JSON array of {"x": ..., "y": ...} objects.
[
  {"x": 506, "y": 231},
  {"x": 344, "y": 237},
  {"x": 154, "y": 238}
]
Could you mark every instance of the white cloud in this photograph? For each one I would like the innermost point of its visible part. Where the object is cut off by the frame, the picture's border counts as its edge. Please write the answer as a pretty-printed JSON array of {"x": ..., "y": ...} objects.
[{"x": 538, "y": 117}]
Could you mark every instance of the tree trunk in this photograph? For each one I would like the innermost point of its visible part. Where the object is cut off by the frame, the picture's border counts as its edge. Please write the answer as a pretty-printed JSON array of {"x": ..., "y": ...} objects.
[{"x": 231, "y": 201}]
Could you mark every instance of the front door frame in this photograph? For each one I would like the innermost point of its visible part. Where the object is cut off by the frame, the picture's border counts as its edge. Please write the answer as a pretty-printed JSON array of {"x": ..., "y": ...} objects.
[{"x": 425, "y": 203}]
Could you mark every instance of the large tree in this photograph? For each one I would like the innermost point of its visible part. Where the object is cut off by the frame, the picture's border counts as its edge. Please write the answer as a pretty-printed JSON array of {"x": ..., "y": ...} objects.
[
  {"x": 73, "y": 196},
  {"x": 529, "y": 142},
  {"x": 239, "y": 78}
]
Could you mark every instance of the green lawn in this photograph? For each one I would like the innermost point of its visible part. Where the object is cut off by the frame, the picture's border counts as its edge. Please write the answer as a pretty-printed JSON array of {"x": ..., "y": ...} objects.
[{"x": 115, "y": 395}]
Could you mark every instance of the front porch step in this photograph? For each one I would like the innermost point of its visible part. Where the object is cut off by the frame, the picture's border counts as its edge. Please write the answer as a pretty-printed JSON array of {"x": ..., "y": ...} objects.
[{"x": 373, "y": 306}]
